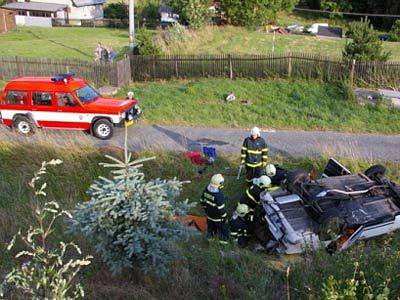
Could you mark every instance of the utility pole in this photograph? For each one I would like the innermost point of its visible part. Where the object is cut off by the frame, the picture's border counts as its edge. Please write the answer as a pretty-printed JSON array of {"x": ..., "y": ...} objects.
[{"x": 131, "y": 24}]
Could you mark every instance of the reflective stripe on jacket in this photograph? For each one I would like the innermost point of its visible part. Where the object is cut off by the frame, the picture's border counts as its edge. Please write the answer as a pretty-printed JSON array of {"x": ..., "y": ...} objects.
[
  {"x": 254, "y": 152},
  {"x": 214, "y": 204},
  {"x": 252, "y": 196}
]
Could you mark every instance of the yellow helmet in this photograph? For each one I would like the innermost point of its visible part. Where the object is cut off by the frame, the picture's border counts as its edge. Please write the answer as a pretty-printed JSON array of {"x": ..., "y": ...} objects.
[
  {"x": 242, "y": 210},
  {"x": 217, "y": 181}
]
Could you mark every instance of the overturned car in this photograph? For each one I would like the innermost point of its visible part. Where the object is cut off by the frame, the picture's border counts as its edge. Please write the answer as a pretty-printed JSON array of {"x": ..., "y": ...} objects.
[{"x": 333, "y": 211}]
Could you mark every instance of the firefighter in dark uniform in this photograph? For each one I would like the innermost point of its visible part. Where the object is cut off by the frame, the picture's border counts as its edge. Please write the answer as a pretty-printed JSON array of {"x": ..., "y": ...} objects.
[
  {"x": 240, "y": 225},
  {"x": 214, "y": 203},
  {"x": 254, "y": 155},
  {"x": 252, "y": 196},
  {"x": 277, "y": 175}
]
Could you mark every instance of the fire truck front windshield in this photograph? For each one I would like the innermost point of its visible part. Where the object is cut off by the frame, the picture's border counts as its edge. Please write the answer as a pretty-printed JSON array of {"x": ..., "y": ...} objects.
[{"x": 86, "y": 94}]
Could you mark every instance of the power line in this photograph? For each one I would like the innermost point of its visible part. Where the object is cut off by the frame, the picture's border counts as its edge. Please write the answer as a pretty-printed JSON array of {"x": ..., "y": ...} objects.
[{"x": 347, "y": 13}]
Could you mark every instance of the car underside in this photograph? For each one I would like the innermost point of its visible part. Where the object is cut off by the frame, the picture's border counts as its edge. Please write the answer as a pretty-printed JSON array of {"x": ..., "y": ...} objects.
[{"x": 333, "y": 211}]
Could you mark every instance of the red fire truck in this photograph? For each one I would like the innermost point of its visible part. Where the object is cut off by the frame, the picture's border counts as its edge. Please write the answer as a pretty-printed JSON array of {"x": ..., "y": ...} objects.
[{"x": 63, "y": 102}]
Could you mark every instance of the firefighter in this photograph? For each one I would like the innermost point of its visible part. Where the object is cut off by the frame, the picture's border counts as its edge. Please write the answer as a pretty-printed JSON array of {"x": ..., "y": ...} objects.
[
  {"x": 254, "y": 155},
  {"x": 277, "y": 175},
  {"x": 214, "y": 203},
  {"x": 129, "y": 95},
  {"x": 252, "y": 196},
  {"x": 240, "y": 225}
]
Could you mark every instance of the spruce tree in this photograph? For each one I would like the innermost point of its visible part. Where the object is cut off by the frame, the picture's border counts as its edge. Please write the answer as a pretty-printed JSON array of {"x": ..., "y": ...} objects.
[
  {"x": 131, "y": 220},
  {"x": 365, "y": 44}
]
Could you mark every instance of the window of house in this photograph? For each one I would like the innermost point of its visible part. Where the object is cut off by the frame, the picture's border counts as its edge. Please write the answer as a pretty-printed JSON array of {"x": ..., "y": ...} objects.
[
  {"x": 41, "y": 98},
  {"x": 65, "y": 100},
  {"x": 21, "y": 12},
  {"x": 40, "y": 14},
  {"x": 16, "y": 98}
]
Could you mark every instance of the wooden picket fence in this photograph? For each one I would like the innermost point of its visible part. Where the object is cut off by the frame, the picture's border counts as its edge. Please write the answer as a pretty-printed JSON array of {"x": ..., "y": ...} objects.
[
  {"x": 296, "y": 65},
  {"x": 99, "y": 73},
  {"x": 141, "y": 68}
]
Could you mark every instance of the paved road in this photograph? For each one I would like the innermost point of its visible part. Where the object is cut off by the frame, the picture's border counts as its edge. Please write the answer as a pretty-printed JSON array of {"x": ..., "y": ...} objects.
[{"x": 289, "y": 143}]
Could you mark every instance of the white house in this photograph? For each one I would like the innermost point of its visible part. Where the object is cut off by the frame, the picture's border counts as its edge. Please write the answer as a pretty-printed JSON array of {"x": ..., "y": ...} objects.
[
  {"x": 45, "y": 12},
  {"x": 79, "y": 9}
]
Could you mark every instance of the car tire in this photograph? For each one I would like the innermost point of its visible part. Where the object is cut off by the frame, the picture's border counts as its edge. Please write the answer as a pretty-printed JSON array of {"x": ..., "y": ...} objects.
[
  {"x": 375, "y": 172},
  {"x": 24, "y": 125},
  {"x": 103, "y": 129},
  {"x": 295, "y": 179}
]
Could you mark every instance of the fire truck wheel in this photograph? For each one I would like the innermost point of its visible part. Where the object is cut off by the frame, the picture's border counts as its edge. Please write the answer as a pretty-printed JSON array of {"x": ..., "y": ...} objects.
[
  {"x": 103, "y": 129},
  {"x": 23, "y": 125}
]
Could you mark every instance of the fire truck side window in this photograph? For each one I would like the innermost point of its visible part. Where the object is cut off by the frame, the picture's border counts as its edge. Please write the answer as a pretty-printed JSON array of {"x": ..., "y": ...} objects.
[
  {"x": 16, "y": 98},
  {"x": 41, "y": 98},
  {"x": 65, "y": 99}
]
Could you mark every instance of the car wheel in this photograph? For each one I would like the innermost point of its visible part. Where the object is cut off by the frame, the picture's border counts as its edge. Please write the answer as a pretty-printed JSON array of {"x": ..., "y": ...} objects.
[
  {"x": 24, "y": 125},
  {"x": 295, "y": 179},
  {"x": 375, "y": 172},
  {"x": 103, "y": 129}
]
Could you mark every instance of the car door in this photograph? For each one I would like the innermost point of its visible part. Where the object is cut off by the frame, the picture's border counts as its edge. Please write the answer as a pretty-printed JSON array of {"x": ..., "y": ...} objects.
[
  {"x": 14, "y": 102},
  {"x": 42, "y": 108},
  {"x": 70, "y": 113}
]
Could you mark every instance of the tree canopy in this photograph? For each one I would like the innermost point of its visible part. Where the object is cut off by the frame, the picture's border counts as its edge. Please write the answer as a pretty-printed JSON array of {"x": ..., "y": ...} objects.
[{"x": 254, "y": 12}]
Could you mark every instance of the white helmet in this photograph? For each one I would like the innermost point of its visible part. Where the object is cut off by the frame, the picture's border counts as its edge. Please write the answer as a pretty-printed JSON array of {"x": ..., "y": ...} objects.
[
  {"x": 263, "y": 181},
  {"x": 270, "y": 170},
  {"x": 242, "y": 210},
  {"x": 130, "y": 94},
  {"x": 255, "y": 131},
  {"x": 217, "y": 181}
]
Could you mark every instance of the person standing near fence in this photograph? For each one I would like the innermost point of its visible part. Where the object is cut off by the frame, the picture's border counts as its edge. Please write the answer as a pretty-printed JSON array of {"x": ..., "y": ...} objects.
[
  {"x": 111, "y": 54},
  {"x": 254, "y": 155},
  {"x": 98, "y": 51}
]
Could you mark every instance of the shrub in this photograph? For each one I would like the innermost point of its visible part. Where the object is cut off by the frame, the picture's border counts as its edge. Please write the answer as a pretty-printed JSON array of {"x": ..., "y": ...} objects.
[
  {"x": 132, "y": 221},
  {"x": 118, "y": 10},
  {"x": 148, "y": 10},
  {"x": 196, "y": 13},
  {"x": 356, "y": 287},
  {"x": 370, "y": 267},
  {"x": 45, "y": 273},
  {"x": 176, "y": 33},
  {"x": 145, "y": 42},
  {"x": 365, "y": 44},
  {"x": 254, "y": 12},
  {"x": 395, "y": 31},
  {"x": 336, "y": 6}
]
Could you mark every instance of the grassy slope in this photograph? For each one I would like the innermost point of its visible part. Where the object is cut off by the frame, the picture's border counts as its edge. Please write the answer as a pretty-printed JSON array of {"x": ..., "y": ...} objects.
[
  {"x": 237, "y": 40},
  {"x": 60, "y": 42},
  {"x": 81, "y": 42},
  {"x": 203, "y": 271},
  {"x": 306, "y": 105}
]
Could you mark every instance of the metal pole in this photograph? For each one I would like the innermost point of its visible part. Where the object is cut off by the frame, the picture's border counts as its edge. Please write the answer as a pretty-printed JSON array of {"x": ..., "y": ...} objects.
[
  {"x": 273, "y": 43},
  {"x": 131, "y": 24}
]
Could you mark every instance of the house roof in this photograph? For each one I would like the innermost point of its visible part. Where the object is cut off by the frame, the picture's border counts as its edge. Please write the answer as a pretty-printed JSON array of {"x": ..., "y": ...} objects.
[
  {"x": 80, "y": 3},
  {"x": 35, "y": 6}
]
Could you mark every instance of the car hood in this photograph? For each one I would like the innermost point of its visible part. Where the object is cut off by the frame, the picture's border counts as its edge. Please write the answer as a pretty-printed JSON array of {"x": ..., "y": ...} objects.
[{"x": 109, "y": 105}]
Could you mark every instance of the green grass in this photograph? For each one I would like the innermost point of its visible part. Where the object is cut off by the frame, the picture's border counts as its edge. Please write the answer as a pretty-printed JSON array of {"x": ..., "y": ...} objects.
[
  {"x": 239, "y": 40},
  {"x": 81, "y": 42},
  {"x": 203, "y": 271},
  {"x": 60, "y": 42},
  {"x": 281, "y": 104}
]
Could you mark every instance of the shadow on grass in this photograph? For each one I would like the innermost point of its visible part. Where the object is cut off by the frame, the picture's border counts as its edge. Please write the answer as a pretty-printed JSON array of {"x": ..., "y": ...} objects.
[
  {"x": 71, "y": 48},
  {"x": 189, "y": 144},
  {"x": 36, "y": 36}
]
